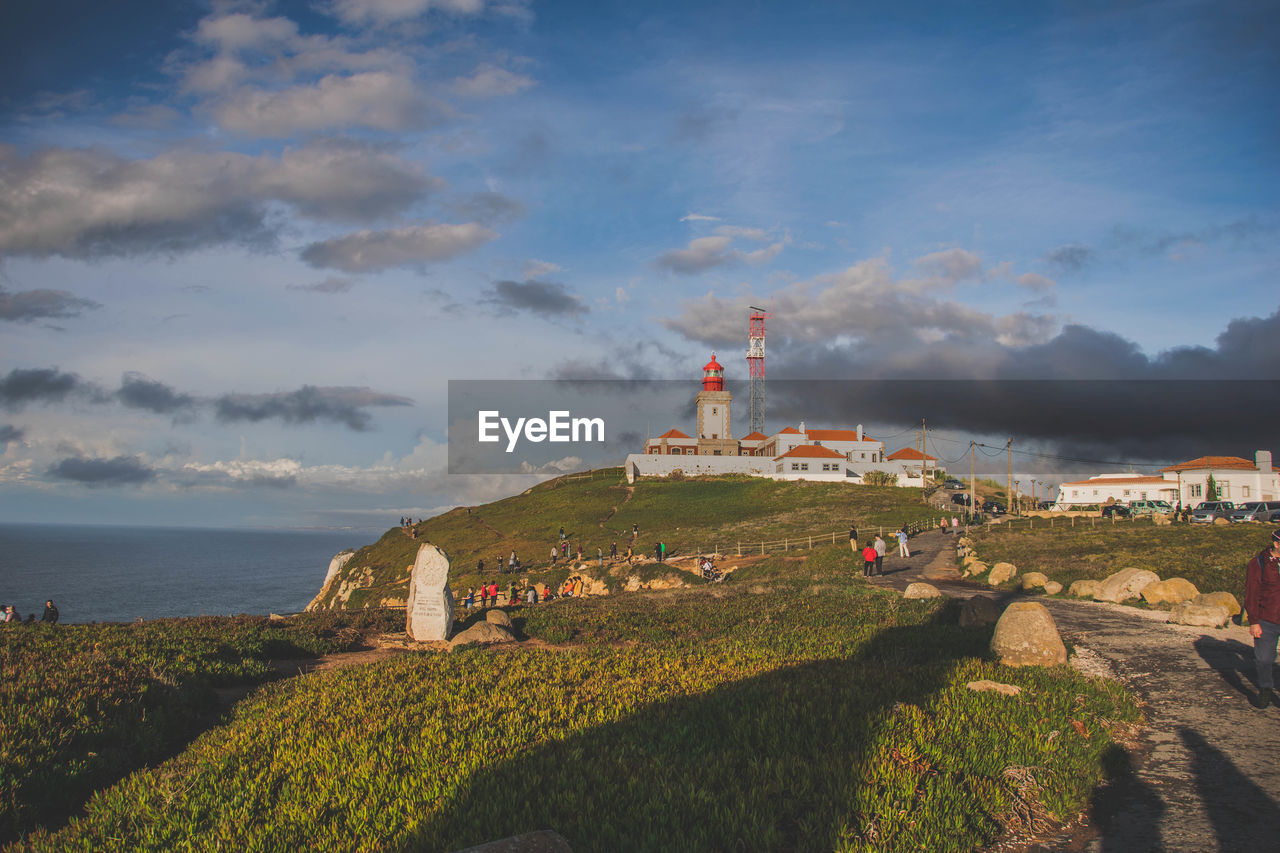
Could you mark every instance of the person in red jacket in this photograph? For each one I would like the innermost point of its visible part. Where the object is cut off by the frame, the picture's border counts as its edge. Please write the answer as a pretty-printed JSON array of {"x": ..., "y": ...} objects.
[
  {"x": 868, "y": 560},
  {"x": 1262, "y": 603}
]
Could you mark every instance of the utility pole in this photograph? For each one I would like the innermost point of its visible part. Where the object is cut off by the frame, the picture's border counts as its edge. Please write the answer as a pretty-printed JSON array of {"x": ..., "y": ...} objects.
[
  {"x": 973, "y": 480},
  {"x": 1009, "y": 447}
]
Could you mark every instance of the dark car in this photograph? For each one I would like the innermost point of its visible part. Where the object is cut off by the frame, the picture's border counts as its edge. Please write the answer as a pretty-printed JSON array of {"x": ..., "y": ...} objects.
[
  {"x": 953, "y": 484},
  {"x": 1254, "y": 511},
  {"x": 1045, "y": 505},
  {"x": 1206, "y": 512},
  {"x": 1116, "y": 511},
  {"x": 961, "y": 499},
  {"x": 993, "y": 508}
]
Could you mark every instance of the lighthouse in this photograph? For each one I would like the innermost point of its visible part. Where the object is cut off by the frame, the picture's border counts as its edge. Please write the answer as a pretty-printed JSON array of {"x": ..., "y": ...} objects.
[{"x": 715, "y": 430}]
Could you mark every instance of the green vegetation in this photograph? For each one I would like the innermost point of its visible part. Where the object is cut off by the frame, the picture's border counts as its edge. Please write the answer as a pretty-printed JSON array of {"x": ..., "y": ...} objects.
[
  {"x": 82, "y": 705},
  {"x": 691, "y": 515},
  {"x": 1211, "y": 557},
  {"x": 793, "y": 708}
]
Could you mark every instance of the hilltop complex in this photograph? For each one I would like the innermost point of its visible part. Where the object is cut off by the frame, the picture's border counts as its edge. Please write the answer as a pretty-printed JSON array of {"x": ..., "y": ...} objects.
[
  {"x": 834, "y": 455},
  {"x": 1186, "y": 484}
]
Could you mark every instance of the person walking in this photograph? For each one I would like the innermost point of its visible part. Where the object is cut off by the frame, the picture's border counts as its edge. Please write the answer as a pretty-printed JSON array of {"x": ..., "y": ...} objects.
[
  {"x": 1262, "y": 604},
  {"x": 663, "y": 551},
  {"x": 599, "y": 555},
  {"x": 554, "y": 555},
  {"x": 657, "y": 551},
  {"x": 562, "y": 533},
  {"x": 51, "y": 614},
  {"x": 903, "y": 550},
  {"x": 635, "y": 529},
  {"x": 613, "y": 551},
  {"x": 880, "y": 549},
  {"x": 853, "y": 538},
  {"x": 868, "y": 560}
]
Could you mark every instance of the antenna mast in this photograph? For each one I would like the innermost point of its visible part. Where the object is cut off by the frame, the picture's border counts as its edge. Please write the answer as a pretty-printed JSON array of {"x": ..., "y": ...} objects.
[{"x": 755, "y": 365}]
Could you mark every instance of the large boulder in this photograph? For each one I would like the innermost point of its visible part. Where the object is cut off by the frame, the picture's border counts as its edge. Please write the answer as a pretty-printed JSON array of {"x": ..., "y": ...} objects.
[
  {"x": 1222, "y": 522},
  {"x": 1026, "y": 635},
  {"x": 978, "y": 610},
  {"x": 1161, "y": 520},
  {"x": 1124, "y": 585},
  {"x": 482, "y": 632},
  {"x": 1219, "y": 599},
  {"x": 1053, "y": 588},
  {"x": 1034, "y": 580},
  {"x": 1083, "y": 588},
  {"x": 494, "y": 616},
  {"x": 974, "y": 569},
  {"x": 1201, "y": 615},
  {"x": 1171, "y": 591},
  {"x": 1002, "y": 572},
  {"x": 922, "y": 590}
]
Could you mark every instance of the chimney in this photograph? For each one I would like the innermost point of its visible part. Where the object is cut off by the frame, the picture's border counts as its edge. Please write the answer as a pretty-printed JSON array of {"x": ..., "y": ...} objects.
[
  {"x": 802, "y": 427},
  {"x": 859, "y": 432},
  {"x": 1263, "y": 458}
]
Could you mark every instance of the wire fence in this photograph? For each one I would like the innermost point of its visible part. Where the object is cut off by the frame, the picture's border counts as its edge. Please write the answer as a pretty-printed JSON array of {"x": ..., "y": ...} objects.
[
  {"x": 1082, "y": 521},
  {"x": 805, "y": 541}
]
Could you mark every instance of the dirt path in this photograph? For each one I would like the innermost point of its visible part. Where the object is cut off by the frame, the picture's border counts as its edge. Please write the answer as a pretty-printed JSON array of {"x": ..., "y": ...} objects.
[
  {"x": 1204, "y": 776},
  {"x": 291, "y": 668}
]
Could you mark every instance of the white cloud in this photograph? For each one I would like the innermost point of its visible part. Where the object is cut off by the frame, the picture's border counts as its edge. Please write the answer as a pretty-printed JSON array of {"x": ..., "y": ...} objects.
[
  {"x": 390, "y": 11},
  {"x": 88, "y": 202},
  {"x": 366, "y": 251},
  {"x": 534, "y": 268},
  {"x": 704, "y": 253},
  {"x": 952, "y": 264},
  {"x": 698, "y": 217},
  {"x": 489, "y": 81},
  {"x": 379, "y": 100}
]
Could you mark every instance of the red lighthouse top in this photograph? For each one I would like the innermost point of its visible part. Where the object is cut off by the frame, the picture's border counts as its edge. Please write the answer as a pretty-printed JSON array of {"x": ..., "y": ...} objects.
[{"x": 713, "y": 375}]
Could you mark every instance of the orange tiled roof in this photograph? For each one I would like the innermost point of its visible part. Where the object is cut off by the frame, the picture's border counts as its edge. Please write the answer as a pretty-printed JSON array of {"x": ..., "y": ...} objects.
[
  {"x": 755, "y": 436},
  {"x": 790, "y": 431},
  {"x": 910, "y": 453},
  {"x": 674, "y": 433},
  {"x": 1233, "y": 462},
  {"x": 837, "y": 435},
  {"x": 811, "y": 451},
  {"x": 1106, "y": 481}
]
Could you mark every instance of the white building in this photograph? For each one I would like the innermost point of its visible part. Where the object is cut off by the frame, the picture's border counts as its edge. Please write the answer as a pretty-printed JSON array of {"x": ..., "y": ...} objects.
[
  {"x": 834, "y": 455},
  {"x": 1187, "y": 483}
]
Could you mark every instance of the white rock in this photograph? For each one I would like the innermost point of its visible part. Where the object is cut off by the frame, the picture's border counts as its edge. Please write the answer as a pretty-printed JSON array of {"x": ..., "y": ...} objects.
[
  {"x": 1124, "y": 585},
  {"x": 1201, "y": 615}
]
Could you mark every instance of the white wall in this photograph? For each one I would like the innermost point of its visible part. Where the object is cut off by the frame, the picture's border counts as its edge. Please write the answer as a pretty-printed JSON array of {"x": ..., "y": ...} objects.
[{"x": 653, "y": 465}]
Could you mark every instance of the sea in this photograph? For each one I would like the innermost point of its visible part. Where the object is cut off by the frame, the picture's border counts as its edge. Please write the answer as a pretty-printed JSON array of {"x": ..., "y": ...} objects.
[{"x": 122, "y": 574}]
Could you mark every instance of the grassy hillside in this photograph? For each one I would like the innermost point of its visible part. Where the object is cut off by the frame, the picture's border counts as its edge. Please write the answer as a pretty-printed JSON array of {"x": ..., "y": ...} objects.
[
  {"x": 692, "y": 515},
  {"x": 1211, "y": 557},
  {"x": 798, "y": 709}
]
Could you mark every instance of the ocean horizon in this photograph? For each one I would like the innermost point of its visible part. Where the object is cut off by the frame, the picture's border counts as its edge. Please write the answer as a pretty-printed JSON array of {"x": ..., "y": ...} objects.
[{"x": 116, "y": 573}]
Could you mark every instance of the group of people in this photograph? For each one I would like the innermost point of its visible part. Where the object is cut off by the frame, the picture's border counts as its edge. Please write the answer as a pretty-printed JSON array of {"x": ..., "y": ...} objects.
[
  {"x": 874, "y": 552},
  {"x": 486, "y": 595},
  {"x": 49, "y": 617}
]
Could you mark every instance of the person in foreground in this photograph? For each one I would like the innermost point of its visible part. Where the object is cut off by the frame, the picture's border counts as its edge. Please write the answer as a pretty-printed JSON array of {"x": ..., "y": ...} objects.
[{"x": 1262, "y": 604}]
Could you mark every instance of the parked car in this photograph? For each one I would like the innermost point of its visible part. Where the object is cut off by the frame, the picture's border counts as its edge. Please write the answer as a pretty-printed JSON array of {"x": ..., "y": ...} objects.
[
  {"x": 993, "y": 508},
  {"x": 1275, "y": 517},
  {"x": 1044, "y": 504},
  {"x": 1206, "y": 511},
  {"x": 1150, "y": 507},
  {"x": 1116, "y": 511},
  {"x": 953, "y": 484},
  {"x": 1254, "y": 511},
  {"x": 961, "y": 499}
]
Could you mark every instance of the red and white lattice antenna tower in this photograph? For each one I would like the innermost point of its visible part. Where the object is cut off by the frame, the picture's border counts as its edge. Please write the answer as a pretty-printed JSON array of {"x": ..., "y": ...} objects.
[{"x": 755, "y": 365}]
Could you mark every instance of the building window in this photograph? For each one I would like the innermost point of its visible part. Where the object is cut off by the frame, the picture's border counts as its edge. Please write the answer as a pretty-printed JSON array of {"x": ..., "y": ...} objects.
[
  {"x": 804, "y": 466},
  {"x": 714, "y": 410},
  {"x": 1244, "y": 491},
  {"x": 1224, "y": 491},
  {"x": 1197, "y": 490},
  {"x": 675, "y": 451},
  {"x": 715, "y": 453}
]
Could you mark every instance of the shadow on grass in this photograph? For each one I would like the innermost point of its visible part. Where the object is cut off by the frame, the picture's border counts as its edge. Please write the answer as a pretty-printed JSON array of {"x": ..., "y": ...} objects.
[{"x": 771, "y": 762}]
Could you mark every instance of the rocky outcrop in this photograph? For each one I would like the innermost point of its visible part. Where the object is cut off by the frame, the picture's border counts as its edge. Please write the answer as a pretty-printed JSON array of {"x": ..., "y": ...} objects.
[
  {"x": 1026, "y": 635},
  {"x": 1002, "y": 572},
  {"x": 1124, "y": 585},
  {"x": 1171, "y": 591},
  {"x": 922, "y": 590},
  {"x": 1219, "y": 599},
  {"x": 1034, "y": 580},
  {"x": 1083, "y": 588},
  {"x": 336, "y": 565},
  {"x": 485, "y": 633},
  {"x": 1200, "y": 615},
  {"x": 978, "y": 610}
]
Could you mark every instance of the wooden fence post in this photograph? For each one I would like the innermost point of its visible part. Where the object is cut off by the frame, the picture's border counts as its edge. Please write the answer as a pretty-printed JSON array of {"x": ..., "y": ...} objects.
[
  {"x": 810, "y": 543},
  {"x": 739, "y": 549}
]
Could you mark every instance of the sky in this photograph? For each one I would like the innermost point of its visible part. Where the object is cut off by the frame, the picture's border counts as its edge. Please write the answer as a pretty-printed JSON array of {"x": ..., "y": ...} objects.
[{"x": 245, "y": 246}]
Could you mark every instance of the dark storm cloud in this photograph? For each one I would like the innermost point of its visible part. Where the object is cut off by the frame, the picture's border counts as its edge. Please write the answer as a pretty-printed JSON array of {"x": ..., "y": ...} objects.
[
  {"x": 547, "y": 299},
  {"x": 116, "y": 471},
  {"x": 27, "y": 305},
  {"x": 309, "y": 404},
  {"x": 139, "y": 392},
  {"x": 37, "y": 385},
  {"x": 9, "y": 433}
]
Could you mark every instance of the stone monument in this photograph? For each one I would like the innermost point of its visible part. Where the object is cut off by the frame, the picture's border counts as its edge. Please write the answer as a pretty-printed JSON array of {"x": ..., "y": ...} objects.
[{"x": 429, "y": 608}]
